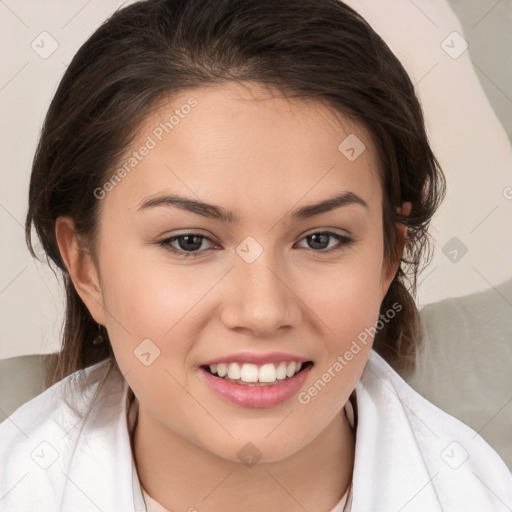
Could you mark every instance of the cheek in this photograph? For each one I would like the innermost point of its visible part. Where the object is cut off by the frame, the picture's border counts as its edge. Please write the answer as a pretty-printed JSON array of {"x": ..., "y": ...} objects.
[
  {"x": 149, "y": 298},
  {"x": 346, "y": 299},
  {"x": 348, "y": 309},
  {"x": 346, "y": 296},
  {"x": 144, "y": 301}
]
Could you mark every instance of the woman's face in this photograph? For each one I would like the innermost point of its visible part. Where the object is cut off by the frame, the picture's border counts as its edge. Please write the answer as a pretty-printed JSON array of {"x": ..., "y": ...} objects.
[{"x": 266, "y": 282}]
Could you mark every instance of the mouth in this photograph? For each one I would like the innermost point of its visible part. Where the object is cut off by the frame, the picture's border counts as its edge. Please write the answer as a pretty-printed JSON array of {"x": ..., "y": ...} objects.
[
  {"x": 262, "y": 385},
  {"x": 248, "y": 374}
]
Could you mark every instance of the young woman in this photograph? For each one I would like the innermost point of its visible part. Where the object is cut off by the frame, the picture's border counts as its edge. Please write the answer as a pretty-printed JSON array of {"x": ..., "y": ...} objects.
[{"x": 235, "y": 192}]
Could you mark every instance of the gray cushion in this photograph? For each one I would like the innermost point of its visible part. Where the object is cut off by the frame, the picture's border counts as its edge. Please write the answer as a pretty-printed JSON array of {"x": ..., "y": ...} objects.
[{"x": 465, "y": 366}]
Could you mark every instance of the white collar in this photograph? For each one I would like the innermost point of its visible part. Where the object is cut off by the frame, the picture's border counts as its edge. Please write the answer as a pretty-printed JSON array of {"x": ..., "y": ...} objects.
[{"x": 409, "y": 455}]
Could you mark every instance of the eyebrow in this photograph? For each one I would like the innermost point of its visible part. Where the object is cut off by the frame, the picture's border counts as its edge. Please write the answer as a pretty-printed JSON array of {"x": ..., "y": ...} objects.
[{"x": 228, "y": 216}]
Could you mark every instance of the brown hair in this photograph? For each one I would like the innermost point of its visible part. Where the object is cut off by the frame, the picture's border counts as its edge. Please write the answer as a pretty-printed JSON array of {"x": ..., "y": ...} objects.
[{"x": 150, "y": 50}]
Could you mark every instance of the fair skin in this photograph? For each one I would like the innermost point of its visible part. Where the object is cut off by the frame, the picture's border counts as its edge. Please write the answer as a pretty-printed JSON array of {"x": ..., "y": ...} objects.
[{"x": 261, "y": 157}]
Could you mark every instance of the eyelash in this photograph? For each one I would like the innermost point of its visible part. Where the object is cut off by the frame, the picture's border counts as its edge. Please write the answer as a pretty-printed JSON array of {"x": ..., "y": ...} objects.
[{"x": 345, "y": 242}]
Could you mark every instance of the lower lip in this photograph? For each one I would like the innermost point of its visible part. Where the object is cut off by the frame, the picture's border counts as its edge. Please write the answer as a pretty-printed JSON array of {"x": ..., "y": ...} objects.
[{"x": 260, "y": 396}]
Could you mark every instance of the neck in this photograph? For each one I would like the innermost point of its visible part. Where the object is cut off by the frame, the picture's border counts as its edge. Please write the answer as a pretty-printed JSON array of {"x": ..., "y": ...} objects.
[{"x": 182, "y": 476}]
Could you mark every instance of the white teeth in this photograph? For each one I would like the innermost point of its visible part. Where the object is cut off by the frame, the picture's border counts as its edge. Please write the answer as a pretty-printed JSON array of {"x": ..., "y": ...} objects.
[
  {"x": 222, "y": 369},
  {"x": 267, "y": 373},
  {"x": 250, "y": 373},
  {"x": 234, "y": 371},
  {"x": 281, "y": 371},
  {"x": 290, "y": 369}
]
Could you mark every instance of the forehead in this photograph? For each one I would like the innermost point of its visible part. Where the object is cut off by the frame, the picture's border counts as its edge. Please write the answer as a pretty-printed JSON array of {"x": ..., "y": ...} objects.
[{"x": 235, "y": 141}]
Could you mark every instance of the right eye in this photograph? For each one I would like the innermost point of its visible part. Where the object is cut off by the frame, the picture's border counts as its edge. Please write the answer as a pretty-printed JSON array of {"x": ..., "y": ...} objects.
[{"x": 188, "y": 244}]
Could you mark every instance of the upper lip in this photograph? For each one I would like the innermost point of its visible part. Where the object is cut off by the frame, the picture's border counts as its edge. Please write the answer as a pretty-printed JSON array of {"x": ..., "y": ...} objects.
[{"x": 256, "y": 358}]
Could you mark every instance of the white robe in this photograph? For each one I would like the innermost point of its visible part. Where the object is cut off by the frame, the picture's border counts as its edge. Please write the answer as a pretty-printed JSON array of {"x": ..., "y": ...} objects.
[{"x": 71, "y": 453}]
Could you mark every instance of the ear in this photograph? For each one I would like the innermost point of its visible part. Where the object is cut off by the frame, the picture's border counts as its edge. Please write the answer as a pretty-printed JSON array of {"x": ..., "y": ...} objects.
[
  {"x": 389, "y": 270},
  {"x": 81, "y": 268}
]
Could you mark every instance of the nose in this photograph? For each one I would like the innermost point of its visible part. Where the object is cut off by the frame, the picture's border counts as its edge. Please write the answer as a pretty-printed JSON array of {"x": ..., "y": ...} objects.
[{"x": 261, "y": 299}]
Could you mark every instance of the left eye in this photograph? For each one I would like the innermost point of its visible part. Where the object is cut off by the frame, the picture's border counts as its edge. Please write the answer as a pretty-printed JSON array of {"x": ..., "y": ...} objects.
[
  {"x": 319, "y": 240},
  {"x": 189, "y": 244}
]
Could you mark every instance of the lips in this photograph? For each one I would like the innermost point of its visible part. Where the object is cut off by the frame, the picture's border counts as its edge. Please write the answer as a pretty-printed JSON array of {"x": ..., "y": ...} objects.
[{"x": 256, "y": 380}]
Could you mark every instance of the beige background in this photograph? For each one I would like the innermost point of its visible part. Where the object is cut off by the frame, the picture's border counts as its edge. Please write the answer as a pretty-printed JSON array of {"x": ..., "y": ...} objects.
[{"x": 471, "y": 143}]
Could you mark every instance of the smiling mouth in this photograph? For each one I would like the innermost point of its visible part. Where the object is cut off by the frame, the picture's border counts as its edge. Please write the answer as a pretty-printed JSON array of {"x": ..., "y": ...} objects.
[{"x": 248, "y": 374}]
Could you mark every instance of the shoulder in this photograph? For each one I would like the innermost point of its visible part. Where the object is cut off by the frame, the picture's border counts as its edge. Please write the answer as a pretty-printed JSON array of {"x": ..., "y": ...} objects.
[
  {"x": 56, "y": 406},
  {"x": 40, "y": 440},
  {"x": 412, "y": 443}
]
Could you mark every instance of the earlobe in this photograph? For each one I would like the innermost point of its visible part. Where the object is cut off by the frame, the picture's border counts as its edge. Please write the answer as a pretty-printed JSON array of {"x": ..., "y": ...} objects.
[
  {"x": 406, "y": 209},
  {"x": 81, "y": 268},
  {"x": 392, "y": 268}
]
